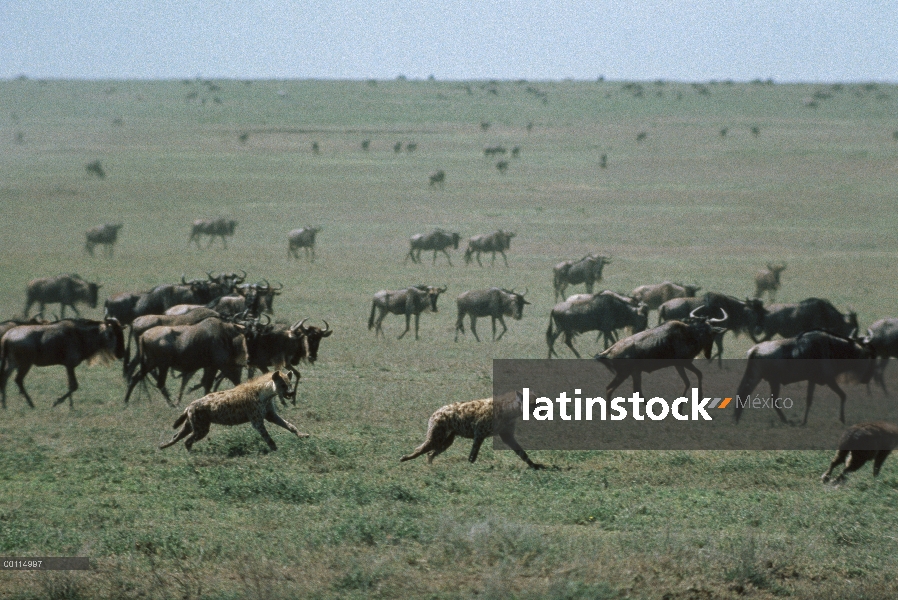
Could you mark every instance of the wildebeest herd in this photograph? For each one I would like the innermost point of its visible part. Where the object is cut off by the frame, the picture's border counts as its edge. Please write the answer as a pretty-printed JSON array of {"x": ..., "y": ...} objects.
[{"x": 220, "y": 325}]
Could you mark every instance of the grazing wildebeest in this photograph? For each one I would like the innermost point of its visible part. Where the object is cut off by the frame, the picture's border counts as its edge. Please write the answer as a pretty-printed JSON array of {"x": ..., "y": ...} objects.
[
  {"x": 603, "y": 312},
  {"x": 822, "y": 358},
  {"x": 494, "y": 150},
  {"x": 250, "y": 402},
  {"x": 494, "y": 303},
  {"x": 122, "y": 306},
  {"x": 95, "y": 168},
  {"x": 498, "y": 241},
  {"x": 68, "y": 342},
  {"x": 438, "y": 178},
  {"x": 768, "y": 280},
  {"x": 863, "y": 442},
  {"x": 657, "y": 294},
  {"x": 788, "y": 320},
  {"x": 587, "y": 270},
  {"x": 67, "y": 290},
  {"x": 882, "y": 336},
  {"x": 477, "y": 419},
  {"x": 676, "y": 344},
  {"x": 212, "y": 345},
  {"x": 437, "y": 240},
  {"x": 222, "y": 228},
  {"x": 303, "y": 237},
  {"x": 411, "y": 301},
  {"x": 104, "y": 235}
]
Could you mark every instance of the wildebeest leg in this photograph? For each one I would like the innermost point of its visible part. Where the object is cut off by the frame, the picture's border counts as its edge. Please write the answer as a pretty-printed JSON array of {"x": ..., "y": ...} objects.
[
  {"x": 259, "y": 425},
  {"x": 835, "y": 387},
  {"x": 73, "y": 385},
  {"x": 881, "y": 457},
  {"x": 160, "y": 383},
  {"x": 504, "y": 328},
  {"x": 618, "y": 379},
  {"x": 511, "y": 442},
  {"x": 750, "y": 380},
  {"x": 20, "y": 383},
  {"x": 475, "y": 449},
  {"x": 474, "y": 326},
  {"x": 775, "y": 392},
  {"x": 691, "y": 367},
  {"x": 637, "y": 382},
  {"x": 569, "y": 342},
  {"x": 28, "y": 304},
  {"x": 75, "y": 308},
  {"x": 447, "y": 257},
  {"x": 273, "y": 417},
  {"x": 807, "y": 405},
  {"x": 408, "y": 320},
  {"x": 380, "y": 319},
  {"x": 185, "y": 379},
  {"x": 841, "y": 455},
  {"x": 460, "y": 325},
  {"x": 505, "y": 258},
  {"x": 478, "y": 258}
]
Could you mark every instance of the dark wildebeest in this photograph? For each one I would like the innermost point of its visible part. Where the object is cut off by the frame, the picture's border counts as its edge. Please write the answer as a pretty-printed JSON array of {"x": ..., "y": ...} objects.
[
  {"x": 744, "y": 316},
  {"x": 146, "y": 322},
  {"x": 494, "y": 303},
  {"x": 102, "y": 235},
  {"x": 303, "y": 237},
  {"x": 95, "y": 168},
  {"x": 603, "y": 312},
  {"x": 587, "y": 270},
  {"x": 676, "y": 344},
  {"x": 410, "y": 301},
  {"x": 212, "y": 345},
  {"x": 822, "y": 358},
  {"x": 494, "y": 150},
  {"x": 222, "y": 228},
  {"x": 883, "y": 338},
  {"x": 122, "y": 306},
  {"x": 438, "y": 179},
  {"x": 657, "y": 294},
  {"x": 768, "y": 280},
  {"x": 68, "y": 343},
  {"x": 67, "y": 290},
  {"x": 498, "y": 241},
  {"x": 163, "y": 297},
  {"x": 280, "y": 346},
  {"x": 437, "y": 240},
  {"x": 863, "y": 442},
  {"x": 788, "y": 320}
]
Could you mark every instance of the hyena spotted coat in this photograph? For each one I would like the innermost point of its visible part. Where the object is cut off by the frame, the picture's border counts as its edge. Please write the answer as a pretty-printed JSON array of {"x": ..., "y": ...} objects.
[
  {"x": 474, "y": 419},
  {"x": 250, "y": 402}
]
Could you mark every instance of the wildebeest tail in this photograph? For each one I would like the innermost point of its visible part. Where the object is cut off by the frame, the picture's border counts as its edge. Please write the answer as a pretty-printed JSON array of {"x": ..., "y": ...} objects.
[{"x": 371, "y": 318}]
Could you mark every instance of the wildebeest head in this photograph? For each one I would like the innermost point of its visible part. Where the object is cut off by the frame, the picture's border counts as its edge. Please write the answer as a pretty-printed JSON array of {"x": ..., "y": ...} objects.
[
  {"x": 704, "y": 327},
  {"x": 433, "y": 294},
  {"x": 93, "y": 293},
  {"x": 515, "y": 302},
  {"x": 313, "y": 336}
]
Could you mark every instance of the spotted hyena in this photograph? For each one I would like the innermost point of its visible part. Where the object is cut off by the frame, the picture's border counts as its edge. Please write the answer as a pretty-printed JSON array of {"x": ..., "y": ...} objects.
[
  {"x": 474, "y": 419},
  {"x": 251, "y": 402}
]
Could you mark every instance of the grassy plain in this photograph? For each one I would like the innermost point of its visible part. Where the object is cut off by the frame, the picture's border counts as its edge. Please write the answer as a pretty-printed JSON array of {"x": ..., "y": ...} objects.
[{"x": 336, "y": 514}]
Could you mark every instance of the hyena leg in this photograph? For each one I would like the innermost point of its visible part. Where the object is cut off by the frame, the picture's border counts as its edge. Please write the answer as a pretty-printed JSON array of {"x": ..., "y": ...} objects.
[
  {"x": 433, "y": 444},
  {"x": 273, "y": 417},
  {"x": 186, "y": 430},
  {"x": 259, "y": 425},
  {"x": 508, "y": 438},
  {"x": 880, "y": 458},
  {"x": 856, "y": 460},
  {"x": 439, "y": 448},
  {"x": 200, "y": 430},
  {"x": 475, "y": 449}
]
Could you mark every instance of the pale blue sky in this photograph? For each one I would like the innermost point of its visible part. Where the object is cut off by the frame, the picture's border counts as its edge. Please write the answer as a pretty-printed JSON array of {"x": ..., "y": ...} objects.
[{"x": 789, "y": 40}]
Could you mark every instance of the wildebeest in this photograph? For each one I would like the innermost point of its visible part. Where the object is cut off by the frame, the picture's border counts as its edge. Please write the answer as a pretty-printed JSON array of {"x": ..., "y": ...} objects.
[
  {"x": 477, "y": 419},
  {"x": 818, "y": 357},
  {"x": 95, "y": 168},
  {"x": 411, "y": 301},
  {"x": 882, "y": 336},
  {"x": 102, "y": 235},
  {"x": 498, "y": 241},
  {"x": 743, "y": 316},
  {"x": 250, "y": 402},
  {"x": 604, "y": 313},
  {"x": 212, "y": 345},
  {"x": 768, "y": 280},
  {"x": 146, "y": 322},
  {"x": 788, "y": 320},
  {"x": 122, "y": 306},
  {"x": 655, "y": 295},
  {"x": 437, "y": 240},
  {"x": 438, "y": 178},
  {"x": 67, "y": 290},
  {"x": 222, "y": 228},
  {"x": 163, "y": 297},
  {"x": 863, "y": 442},
  {"x": 68, "y": 342},
  {"x": 502, "y": 166},
  {"x": 587, "y": 270},
  {"x": 494, "y": 303},
  {"x": 303, "y": 237},
  {"x": 676, "y": 344},
  {"x": 494, "y": 150},
  {"x": 281, "y": 346}
]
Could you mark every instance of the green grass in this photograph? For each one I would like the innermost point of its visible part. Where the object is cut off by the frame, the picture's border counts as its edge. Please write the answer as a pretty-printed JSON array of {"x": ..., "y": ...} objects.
[{"x": 336, "y": 514}]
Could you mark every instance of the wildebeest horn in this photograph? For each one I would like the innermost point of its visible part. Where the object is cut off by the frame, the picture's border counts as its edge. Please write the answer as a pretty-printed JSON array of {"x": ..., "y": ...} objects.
[
  {"x": 694, "y": 314},
  {"x": 183, "y": 275},
  {"x": 267, "y": 319},
  {"x": 298, "y": 325},
  {"x": 326, "y": 326},
  {"x": 524, "y": 293},
  {"x": 444, "y": 288},
  {"x": 209, "y": 275},
  {"x": 280, "y": 287},
  {"x": 721, "y": 320}
]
